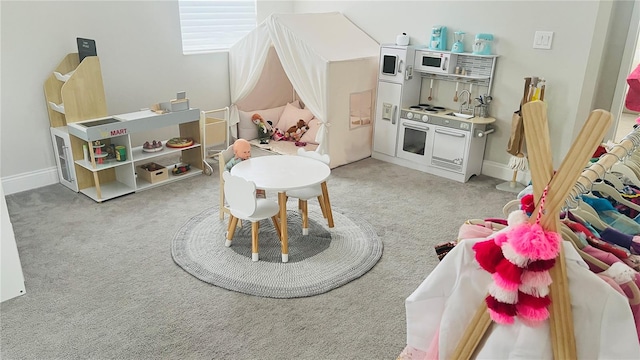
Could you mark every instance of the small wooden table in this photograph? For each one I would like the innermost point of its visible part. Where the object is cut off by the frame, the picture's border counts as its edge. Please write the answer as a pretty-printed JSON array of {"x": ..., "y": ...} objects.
[{"x": 282, "y": 173}]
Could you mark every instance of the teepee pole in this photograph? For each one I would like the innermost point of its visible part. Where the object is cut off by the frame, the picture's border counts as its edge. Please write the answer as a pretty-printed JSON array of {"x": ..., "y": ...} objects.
[
  {"x": 591, "y": 135},
  {"x": 559, "y": 187}
]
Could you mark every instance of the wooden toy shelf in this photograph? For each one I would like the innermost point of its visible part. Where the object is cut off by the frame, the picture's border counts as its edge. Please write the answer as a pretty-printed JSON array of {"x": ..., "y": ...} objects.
[
  {"x": 75, "y": 100},
  {"x": 116, "y": 178}
]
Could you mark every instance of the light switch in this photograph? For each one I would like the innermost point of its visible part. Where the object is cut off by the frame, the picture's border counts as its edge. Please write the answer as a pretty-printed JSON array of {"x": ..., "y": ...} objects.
[{"x": 543, "y": 40}]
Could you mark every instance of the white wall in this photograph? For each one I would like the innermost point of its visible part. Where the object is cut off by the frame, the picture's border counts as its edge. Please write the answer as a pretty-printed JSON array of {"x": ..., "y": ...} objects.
[
  {"x": 140, "y": 52},
  {"x": 634, "y": 63},
  {"x": 570, "y": 67}
]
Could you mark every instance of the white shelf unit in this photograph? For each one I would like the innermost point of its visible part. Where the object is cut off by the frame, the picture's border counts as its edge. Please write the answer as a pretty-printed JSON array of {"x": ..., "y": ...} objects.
[
  {"x": 74, "y": 94},
  {"x": 140, "y": 157},
  {"x": 144, "y": 185},
  {"x": 114, "y": 178},
  {"x": 107, "y": 180},
  {"x": 481, "y": 67}
]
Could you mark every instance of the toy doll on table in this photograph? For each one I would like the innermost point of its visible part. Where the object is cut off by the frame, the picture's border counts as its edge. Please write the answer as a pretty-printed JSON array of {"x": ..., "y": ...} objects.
[{"x": 241, "y": 151}]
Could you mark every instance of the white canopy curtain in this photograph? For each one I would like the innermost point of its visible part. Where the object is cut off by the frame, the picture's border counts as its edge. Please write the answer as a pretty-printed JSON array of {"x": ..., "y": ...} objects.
[
  {"x": 245, "y": 70},
  {"x": 304, "y": 68},
  {"x": 307, "y": 73},
  {"x": 318, "y": 58}
]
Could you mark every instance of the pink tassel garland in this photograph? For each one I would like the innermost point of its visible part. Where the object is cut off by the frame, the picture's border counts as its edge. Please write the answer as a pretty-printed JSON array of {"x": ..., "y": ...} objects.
[
  {"x": 488, "y": 255},
  {"x": 519, "y": 260},
  {"x": 541, "y": 265},
  {"x": 500, "y": 318},
  {"x": 536, "y": 279},
  {"x": 500, "y": 307},
  {"x": 502, "y": 295},
  {"x": 533, "y": 242},
  {"x": 509, "y": 271}
]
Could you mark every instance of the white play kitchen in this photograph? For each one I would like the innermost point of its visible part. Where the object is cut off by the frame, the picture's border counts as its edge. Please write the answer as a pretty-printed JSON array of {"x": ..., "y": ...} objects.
[{"x": 411, "y": 129}]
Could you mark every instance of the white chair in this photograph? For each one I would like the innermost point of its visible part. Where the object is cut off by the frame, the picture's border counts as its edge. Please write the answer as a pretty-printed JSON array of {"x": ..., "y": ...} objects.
[
  {"x": 243, "y": 204},
  {"x": 309, "y": 192},
  {"x": 223, "y": 157}
]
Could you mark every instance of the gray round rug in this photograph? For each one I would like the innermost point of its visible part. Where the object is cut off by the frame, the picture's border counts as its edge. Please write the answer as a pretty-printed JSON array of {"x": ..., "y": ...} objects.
[{"x": 323, "y": 260}]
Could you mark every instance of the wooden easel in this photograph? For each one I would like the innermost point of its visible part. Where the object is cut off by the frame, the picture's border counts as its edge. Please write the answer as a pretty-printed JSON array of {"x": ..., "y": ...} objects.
[{"x": 560, "y": 185}]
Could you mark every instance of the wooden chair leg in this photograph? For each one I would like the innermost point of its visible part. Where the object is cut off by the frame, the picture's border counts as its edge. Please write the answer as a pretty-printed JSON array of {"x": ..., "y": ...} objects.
[
  {"x": 305, "y": 217},
  {"x": 255, "y": 228},
  {"x": 276, "y": 225},
  {"x": 327, "y": 203},
  {"x": 322, "y": 206},
  {"x": 233, "y": 222},
  {"x": 223, "y": 209}
]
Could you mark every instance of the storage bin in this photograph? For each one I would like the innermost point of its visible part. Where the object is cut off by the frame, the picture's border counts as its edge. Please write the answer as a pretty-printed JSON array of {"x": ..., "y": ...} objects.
[
  {"x": 215, "y": 131},
  {"x": 152, "y": 172}
]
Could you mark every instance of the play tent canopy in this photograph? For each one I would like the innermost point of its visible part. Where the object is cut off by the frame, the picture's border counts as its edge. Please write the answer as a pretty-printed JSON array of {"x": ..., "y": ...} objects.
[{"x": 321, "y": 59}]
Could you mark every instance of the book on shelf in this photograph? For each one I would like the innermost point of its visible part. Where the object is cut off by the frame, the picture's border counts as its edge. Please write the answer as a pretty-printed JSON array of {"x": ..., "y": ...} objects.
[{"x": 86, "y": 47}]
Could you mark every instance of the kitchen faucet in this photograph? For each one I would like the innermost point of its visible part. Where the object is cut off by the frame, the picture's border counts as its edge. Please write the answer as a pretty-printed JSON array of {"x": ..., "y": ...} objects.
[{"x": 465, "y": 106}]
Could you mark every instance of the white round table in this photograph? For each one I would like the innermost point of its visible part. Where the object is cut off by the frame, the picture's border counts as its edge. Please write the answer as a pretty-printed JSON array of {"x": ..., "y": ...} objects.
[{"x": 282, "y": 173}]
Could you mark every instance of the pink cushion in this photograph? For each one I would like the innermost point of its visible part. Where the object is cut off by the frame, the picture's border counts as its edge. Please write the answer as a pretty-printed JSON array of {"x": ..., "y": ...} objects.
[
  {"x": 291, "y": 115},
  {"x": 248, "y": 130},
  {"x": 310, "y": 135}
]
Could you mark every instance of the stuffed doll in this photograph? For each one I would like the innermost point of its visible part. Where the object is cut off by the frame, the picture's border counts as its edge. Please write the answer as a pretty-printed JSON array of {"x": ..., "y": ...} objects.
[
  {"x": 300, "y": 132},
  {"x": 265, "y": 130},
  {"x": 278, "y": 135},
  {"x": 241, "y": 151},
  {"x": 295, "y": 132}
]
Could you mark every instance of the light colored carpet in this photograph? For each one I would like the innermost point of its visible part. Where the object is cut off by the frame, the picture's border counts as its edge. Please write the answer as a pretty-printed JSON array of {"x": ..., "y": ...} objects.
[
  {"x": 321, "y": 261},
  {"x": 101, "y": 283}
]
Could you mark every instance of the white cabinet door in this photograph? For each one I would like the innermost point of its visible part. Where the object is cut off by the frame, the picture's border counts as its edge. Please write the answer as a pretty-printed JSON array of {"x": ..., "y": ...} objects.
[
  {"x": 394, "y": 61},
  {"x": 387, "y": 115},
  {"x": 449, "y": 149},
  {"x": 64, "y": 158}
]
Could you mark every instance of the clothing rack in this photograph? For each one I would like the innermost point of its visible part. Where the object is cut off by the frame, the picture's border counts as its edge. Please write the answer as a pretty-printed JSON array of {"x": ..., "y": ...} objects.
[
  {"x": 559, "y": 187},
  {"x": 598, "y": 169}
]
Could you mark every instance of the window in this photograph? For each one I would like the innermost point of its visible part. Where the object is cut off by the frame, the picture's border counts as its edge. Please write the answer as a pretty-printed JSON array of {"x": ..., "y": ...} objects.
[
  {"x": 360, "y": 108},
  {"x": 211, "y": 25}
]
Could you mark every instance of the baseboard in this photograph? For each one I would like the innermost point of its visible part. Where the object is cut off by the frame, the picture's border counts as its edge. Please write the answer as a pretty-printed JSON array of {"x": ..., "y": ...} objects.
[
  {"x": 45, "y": 177},
  {"x": 502, "y": 171},
  {"x": 31, "y": 180}
]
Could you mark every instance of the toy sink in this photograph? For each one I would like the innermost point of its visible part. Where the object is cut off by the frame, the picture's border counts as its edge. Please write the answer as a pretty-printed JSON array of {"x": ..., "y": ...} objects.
[{"x": 98, "y": 122}]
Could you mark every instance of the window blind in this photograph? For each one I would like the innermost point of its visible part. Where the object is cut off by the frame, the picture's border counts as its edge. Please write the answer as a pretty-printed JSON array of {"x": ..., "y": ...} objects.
[{"x": 211, "y": 25}]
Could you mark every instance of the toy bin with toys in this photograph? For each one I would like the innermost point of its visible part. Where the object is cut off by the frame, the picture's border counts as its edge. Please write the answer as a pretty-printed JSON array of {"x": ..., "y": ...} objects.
[{"x": 152, "y": 172}]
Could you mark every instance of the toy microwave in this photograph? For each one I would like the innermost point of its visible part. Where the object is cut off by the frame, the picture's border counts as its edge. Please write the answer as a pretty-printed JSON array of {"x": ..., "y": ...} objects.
[{"x": 435, "y": 62}]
